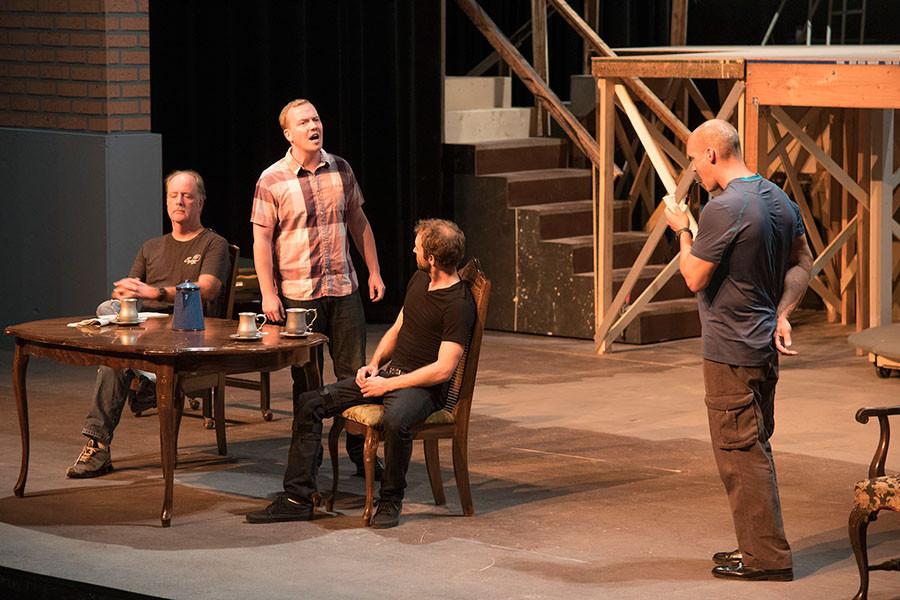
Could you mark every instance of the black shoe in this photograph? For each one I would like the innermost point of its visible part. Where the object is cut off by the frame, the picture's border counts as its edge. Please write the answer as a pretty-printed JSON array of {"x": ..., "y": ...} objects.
[
  {"x": 282, "y": 509},
  {"x": 741, "y": 573},
  {"x": 728, "y": 558},
  {"x": 387, "y": 515},
  {"x": 379, "y": 469}
]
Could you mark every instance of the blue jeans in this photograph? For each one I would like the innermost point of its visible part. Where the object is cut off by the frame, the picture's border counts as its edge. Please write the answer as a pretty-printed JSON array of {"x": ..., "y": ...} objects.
[
  {"x": 402, "y": 409},
  {"x": 110, "y": 395},
  {"x": 341, "y": 318}
]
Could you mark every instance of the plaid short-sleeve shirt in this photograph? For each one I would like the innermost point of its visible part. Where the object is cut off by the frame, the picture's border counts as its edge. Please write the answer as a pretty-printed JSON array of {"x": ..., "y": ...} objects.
[{"x": 309, "y": 213}]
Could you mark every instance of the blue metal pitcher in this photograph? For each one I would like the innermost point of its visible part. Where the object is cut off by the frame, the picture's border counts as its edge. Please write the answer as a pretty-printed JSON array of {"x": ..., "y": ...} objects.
[{"x": 188, "y": 307}]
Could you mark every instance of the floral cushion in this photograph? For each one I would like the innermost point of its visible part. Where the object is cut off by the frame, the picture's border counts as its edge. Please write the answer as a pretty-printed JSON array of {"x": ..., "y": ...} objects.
[
  {"x": 372, "y": 414},
  {"x": 879, "y": 493}
]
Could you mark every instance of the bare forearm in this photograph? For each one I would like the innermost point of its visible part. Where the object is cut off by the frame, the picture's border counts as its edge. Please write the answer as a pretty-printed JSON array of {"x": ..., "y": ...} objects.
[
  {"x": 262, "y": 260},
  {"x": 385, "y": 348},
  {"x": 427, "y": 376},
  {"x": 364, "y": 240}
]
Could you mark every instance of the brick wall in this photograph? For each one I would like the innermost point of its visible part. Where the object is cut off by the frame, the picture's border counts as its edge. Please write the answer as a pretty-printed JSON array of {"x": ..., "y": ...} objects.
[{"x": 79, "y": 65}]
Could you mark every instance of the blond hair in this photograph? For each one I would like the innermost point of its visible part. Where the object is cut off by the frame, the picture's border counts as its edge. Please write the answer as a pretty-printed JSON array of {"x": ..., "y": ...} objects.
[{"x": 282, "y": 116}]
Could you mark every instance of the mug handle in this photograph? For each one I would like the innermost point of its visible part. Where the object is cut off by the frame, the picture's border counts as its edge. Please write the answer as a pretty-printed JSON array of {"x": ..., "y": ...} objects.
[
  {"x": 315, "y": 316},
  {"x": 260, "y": 326}
]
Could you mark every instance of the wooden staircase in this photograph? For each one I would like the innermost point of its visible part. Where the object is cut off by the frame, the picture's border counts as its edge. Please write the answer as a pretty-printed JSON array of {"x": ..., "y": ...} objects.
[{"x": 527, "y": 215}]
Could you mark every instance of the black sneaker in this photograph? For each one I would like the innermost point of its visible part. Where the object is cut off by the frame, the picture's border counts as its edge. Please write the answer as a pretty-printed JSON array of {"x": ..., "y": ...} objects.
[
  {"x": 379, "y": 469},
  {"x": 282, "y": 509},
  {"x": 387, "y": 515},
  {"x": 93, "y": 462}
]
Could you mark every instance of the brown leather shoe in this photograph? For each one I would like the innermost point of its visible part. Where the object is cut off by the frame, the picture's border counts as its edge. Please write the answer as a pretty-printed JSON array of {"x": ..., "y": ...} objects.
[
  {"x": 741, "y": 573},
  {"x": 728, "y": 558}
]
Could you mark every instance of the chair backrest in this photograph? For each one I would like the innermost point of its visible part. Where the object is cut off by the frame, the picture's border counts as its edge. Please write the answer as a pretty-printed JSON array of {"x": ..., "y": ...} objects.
[
  {"x": 225, "y": 304},
  {"x": 458, "y": 395}
]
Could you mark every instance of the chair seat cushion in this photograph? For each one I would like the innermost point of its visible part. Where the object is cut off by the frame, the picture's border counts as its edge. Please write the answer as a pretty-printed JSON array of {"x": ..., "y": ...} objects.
[
  {"x": 371, "y": 415},
  {"x": 879, "y": 493}
]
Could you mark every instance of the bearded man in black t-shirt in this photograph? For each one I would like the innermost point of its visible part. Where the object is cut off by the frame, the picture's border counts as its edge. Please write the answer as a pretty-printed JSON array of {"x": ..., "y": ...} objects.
[{"x": 414, "y": 358}]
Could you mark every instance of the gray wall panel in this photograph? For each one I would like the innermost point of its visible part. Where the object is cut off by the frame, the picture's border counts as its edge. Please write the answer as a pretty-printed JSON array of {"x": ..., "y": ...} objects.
[{"x": 77, "y": 206}]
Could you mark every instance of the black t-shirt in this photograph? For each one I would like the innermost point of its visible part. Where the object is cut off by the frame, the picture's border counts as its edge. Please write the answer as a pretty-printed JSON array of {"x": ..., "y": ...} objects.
[
  {"x": 429, "y": 318},
  {"x": 748, "y": 231},
  {"x": 164, "y": 261}
]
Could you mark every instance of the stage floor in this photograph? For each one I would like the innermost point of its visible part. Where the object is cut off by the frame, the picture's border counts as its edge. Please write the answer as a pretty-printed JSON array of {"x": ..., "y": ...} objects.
[{"x": 592, "y": 478}]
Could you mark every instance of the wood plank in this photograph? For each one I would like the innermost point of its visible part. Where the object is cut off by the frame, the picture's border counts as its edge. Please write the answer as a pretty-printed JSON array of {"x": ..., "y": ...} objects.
[
  {"x": 824, "y": 84},
  {"x": 863, "y": 153},
  {"x": 826, "y": 161},
  {"x": 678, "y": 29},
  {"x": 603, "y": 206},
  {"x": 881, "y": 166},
  {"x": 541, "y": 64},
  {"x": 640, "y": 127},
  {"x": 659, "y": 68},
  {"x": 849, "y": 275}
]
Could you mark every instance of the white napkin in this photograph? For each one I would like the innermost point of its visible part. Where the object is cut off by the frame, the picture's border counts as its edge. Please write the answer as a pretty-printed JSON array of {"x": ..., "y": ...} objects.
[{"x": 102, "y": 321}]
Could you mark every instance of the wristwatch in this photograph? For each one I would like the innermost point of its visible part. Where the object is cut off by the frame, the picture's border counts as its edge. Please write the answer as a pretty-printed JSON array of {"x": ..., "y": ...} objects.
[
  {"x": 161, "y": 294},
  {"x": 682, "y": 230}
]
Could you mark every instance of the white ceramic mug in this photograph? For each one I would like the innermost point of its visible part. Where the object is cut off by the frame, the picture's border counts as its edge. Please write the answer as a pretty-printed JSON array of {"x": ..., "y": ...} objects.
[
  {"x": 297, "y": 320},
  {"x": 128, "y": 310},
  {"x": 247, "y": 326}
]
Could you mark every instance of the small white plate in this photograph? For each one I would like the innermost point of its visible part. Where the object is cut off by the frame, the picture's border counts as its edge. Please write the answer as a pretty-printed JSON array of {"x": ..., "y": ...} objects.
[
  {"x": 296, "y": 335},
  {"x": 249, "y": 338},
  {"x": 116, "y": 321}
]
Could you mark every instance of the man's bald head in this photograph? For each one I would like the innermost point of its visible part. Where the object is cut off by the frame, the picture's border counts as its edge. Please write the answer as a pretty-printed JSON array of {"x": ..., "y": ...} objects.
[{"x": 719, "y": 135}]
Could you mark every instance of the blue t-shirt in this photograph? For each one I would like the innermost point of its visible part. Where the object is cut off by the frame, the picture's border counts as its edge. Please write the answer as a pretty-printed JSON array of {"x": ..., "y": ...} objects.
[{"x": 748, "y": 231}]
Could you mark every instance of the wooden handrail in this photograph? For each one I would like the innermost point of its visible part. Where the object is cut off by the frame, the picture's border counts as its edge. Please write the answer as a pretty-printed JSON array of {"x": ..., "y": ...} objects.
[
  {"x": 537, "y": 86},
  {"x": 634, "y": 84}
]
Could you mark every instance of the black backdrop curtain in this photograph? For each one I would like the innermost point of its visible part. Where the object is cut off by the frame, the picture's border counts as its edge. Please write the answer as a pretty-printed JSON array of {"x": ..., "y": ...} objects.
[{"x": 221, "y": 72}]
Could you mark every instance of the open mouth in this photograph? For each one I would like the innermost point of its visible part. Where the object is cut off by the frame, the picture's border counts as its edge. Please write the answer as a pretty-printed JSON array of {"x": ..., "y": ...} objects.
[{"x": 315, "y": 137}]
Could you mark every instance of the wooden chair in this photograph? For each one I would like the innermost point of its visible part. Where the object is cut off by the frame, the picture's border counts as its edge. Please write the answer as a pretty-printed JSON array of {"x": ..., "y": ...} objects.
[
  {"x": 878, "y": 492},
  {"x": 212, "y": 386},
  {"x": 450, "y": 422},
  {"x": 262, "y": 385}
]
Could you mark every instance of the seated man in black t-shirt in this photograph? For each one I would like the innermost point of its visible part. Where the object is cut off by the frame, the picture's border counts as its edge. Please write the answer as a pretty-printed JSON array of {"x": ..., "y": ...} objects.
[{"x": 423, "y": 347}]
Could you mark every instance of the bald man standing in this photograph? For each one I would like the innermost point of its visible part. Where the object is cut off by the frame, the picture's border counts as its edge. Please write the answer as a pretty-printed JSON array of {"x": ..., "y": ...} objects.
[{"x": 749, "y": 267}]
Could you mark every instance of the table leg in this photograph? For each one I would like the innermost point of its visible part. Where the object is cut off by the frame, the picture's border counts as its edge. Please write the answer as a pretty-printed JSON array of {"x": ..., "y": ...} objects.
[
  {"x": 20, "y": 364},
  {"x": 311, "y": 368},
  {"x": 165, "y": 393}
]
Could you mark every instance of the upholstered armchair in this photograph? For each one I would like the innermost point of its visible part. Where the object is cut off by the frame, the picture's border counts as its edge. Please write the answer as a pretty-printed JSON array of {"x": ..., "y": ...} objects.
[{"x": 878, "y": 492}]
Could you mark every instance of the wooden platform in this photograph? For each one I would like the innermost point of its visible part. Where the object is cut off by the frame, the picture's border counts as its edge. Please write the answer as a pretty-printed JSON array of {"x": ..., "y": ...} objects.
[{"x": 818, "y": 118}]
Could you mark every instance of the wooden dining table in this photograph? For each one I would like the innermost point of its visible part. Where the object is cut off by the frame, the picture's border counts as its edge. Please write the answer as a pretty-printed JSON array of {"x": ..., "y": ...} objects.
[{"x": 155, "y": 347}]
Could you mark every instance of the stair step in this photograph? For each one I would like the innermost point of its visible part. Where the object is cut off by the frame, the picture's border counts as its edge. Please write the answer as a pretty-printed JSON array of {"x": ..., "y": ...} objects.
[
  {"x": 464, "y": 93},
  {"x": 665, "y": 320},
  {"x": 626, "y": 247},
  {"x": 500, "y": 156},
  {"x": 481, "y": 125},
  {"x": 545, "y": 186},
  {"x": 572, "y": 219}
]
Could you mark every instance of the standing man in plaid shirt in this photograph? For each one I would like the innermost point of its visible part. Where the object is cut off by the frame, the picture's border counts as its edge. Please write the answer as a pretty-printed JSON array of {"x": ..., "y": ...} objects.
[{"x": 303, "y": 208}]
